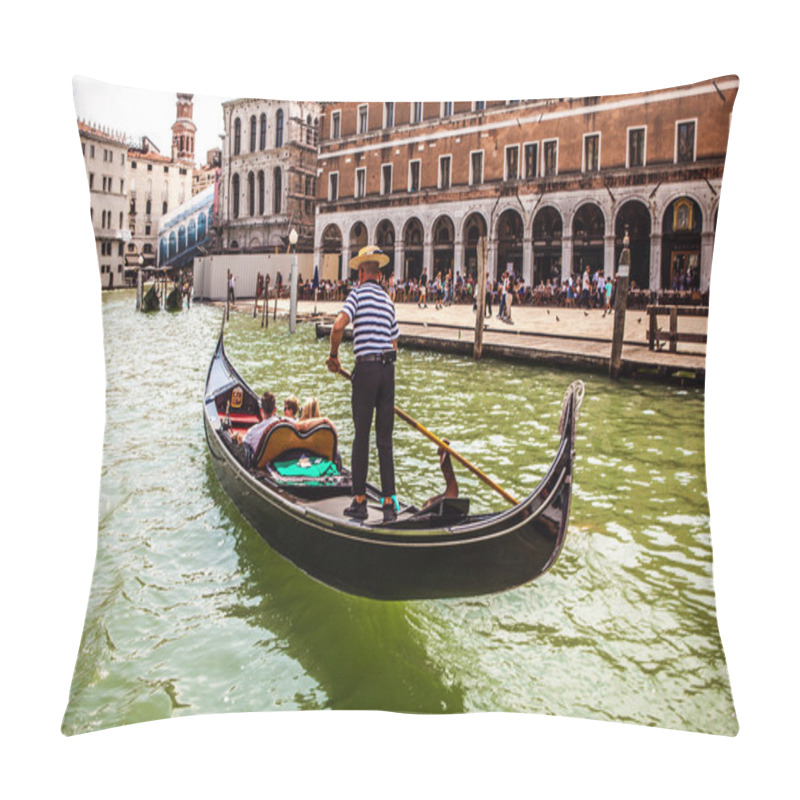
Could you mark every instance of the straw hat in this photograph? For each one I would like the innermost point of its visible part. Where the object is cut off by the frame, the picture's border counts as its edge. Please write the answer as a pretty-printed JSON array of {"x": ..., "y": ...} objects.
[{"x": 369, "y": 254}]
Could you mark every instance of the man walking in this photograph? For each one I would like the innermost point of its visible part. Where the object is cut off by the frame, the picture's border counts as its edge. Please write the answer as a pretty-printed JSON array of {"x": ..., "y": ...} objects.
[{"x": 375, "y": 334}]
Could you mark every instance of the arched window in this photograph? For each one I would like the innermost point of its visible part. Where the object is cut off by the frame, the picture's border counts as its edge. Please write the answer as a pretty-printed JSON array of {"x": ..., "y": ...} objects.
[
  {"x": 262, "y": 139},
  {"x": 279, "y": 128},
  {"x": 261, "y": 191},
  {"x": 162, "y": 251},
  {"x": 235, "y": 195},
  {"x": 252, "y": 134},
  {"x": 192, "y": 232},
  {"x": 251, "y": 194},
  {"x": 237, "y": 136},
  {"x": 148, "y": 207},
  {"x": 309, "y": 131},
  {"x": 276, "y": 183},
  {"x": 173, "y": 245},
  {"x": 201, "y": 227},
  {"x": 181, "y": 238},
  {"x": 164, "y": 207}
]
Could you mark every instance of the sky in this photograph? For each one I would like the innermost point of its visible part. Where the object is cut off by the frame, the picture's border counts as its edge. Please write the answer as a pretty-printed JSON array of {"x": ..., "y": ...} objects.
[{"x": 143, "y": 112}]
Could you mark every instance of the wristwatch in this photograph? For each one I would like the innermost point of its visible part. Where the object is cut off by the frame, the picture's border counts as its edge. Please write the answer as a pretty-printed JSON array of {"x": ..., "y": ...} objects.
[{"x": 333, "y": 355}]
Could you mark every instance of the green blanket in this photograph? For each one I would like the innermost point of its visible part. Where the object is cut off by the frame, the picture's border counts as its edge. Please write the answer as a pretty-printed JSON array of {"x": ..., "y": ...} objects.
[{"x": 314, "y": 467}]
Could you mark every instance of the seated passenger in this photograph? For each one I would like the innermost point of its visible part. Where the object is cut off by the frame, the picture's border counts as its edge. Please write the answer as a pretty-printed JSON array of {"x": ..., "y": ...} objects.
[
  {"x": 269, "y": 417},
  {"x": 310, "y": 409},
  {"x": 291, "y": 406}
]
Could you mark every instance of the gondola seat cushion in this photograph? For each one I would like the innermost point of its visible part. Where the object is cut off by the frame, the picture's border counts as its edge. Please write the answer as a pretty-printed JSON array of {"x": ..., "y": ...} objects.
[{"x": 284, "y": 437}]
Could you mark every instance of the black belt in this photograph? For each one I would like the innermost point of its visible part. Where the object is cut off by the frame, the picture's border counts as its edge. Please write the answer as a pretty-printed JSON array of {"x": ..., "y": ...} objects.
[{"x": 387, "y": 357}]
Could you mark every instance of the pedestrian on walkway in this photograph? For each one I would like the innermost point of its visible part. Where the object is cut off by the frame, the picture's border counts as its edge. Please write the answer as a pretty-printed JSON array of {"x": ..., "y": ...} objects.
[{"x": 375, "y": 334}]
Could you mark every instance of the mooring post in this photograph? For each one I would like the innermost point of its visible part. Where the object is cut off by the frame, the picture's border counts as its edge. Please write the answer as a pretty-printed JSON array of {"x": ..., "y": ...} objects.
[
  {"x": 620, "y": 307},
  {"x": 293, "y": 282},
  {"x": 265, "y": 308},
  {"x": 255, "y": 305},
  {"x": 139, "y": 289},
  {"x": 480, "y": 288},
  {"x": 228, "y": 296}
]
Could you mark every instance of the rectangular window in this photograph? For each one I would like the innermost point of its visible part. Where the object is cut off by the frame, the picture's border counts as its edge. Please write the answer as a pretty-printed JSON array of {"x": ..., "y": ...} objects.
[
  {"x": 336, "y": 124},
  {"x": 91, "y": 179},
  {"x": 363, "y": 117},
  {"x": 591, "y": 152},
  {"x": 416, "y": 112},
  {"x": 636, "y": 152},
  {"x": 413, "y": 176},
  {"x": 386, "y": 179},
  {"x": 91, "y": 151},
  {"x": 512, "y": 162},
  {"x": 685, "y": 142},
  {"x": 333, "y": 186},
  {"x": 388, "y": 115},
  {"x": 361, "y": 182},
  {"x": 476, "y": 167},
  {"x": 480, "y": 105},
  {"x": 444, "y": 172},
  {"x": 532, "y": 160},
  {"x": 551, "y": 157},
  {"x": 447, "y": 108}
]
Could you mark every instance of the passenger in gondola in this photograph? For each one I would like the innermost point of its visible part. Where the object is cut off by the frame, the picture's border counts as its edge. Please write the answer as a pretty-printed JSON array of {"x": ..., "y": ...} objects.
[
  {"x": 291, "y": 405},
  {"x": 268, "y": 417},
  {"x": 310, "y": 409}
]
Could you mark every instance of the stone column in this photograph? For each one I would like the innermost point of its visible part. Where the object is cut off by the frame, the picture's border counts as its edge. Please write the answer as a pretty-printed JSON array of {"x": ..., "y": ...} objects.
[
  {"x": 706, "y": 253},
  {"x": 566, "y": 256},
  {"x": 491, "y": 259},
  {"x": 527, "y": 260},
  {"x": 608, "y": 256},
  {"x": 399, "y": 256},
  {"x": 458, "y": 258},
  {"x": 427, "y": 257},
  {"x": 655, "y": 261}
]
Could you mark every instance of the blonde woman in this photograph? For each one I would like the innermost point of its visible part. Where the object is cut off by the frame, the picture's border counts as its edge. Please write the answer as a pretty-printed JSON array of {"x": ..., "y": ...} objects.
[{"x": 310, "y": 409}]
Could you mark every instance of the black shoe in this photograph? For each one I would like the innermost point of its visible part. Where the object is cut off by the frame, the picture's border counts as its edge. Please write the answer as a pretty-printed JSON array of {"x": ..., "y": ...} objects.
[
  {"x": 356, "y": 510},
  {"x": 389, "y": 514}
]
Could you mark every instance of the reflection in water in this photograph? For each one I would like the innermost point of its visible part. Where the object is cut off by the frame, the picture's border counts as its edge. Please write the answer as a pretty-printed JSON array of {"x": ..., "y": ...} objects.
[
  {"x": 191, "y": 612},
  {"x": 362, "y": 654}
]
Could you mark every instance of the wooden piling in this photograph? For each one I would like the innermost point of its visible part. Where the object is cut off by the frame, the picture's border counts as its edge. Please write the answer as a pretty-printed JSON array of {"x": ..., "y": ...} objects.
[
  {"x": 480, "y": 288},
  {"x": 620, "y": 308}
]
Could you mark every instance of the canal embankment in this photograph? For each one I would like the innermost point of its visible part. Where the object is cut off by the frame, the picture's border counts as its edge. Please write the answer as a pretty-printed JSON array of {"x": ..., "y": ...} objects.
[{"x": 549, "y": 336}]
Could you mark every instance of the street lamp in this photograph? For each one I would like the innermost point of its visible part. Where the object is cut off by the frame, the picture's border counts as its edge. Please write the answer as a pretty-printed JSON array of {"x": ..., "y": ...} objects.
[{"x": 293, "y": 281}]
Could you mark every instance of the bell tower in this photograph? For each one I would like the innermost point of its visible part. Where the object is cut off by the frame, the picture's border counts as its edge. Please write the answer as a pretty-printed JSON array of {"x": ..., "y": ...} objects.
[{"x": 183, "y": 130}]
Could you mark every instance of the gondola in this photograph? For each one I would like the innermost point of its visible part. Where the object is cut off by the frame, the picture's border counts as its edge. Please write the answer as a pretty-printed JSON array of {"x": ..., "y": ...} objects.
[
  {"x": 151, "y": 300},
  {"x": 174, "y": 301},
  {"x": 437, "y": 550}
]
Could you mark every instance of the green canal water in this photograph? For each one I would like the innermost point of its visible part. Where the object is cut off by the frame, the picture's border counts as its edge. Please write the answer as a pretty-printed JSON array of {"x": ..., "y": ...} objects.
[{"x": 190, "y": 612}]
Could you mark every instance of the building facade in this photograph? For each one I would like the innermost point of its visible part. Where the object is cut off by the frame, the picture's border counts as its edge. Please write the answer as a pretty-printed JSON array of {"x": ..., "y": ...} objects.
[
  {"x": 105, "y": 155},
  {"x": 552, "y": 184},
  {"x": 268, "y": 180}
]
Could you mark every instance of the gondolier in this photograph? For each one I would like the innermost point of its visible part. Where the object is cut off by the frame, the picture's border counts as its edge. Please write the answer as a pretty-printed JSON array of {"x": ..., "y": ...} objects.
[{"x": 375, "y": 334}]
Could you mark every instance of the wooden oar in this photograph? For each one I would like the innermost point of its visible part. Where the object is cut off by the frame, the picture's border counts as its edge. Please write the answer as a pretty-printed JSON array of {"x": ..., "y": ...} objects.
[{"x": 436, "y": 440}]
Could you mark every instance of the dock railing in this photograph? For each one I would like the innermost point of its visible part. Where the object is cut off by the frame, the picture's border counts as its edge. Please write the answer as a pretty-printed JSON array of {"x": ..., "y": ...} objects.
[{"x": 657, "y": 335}]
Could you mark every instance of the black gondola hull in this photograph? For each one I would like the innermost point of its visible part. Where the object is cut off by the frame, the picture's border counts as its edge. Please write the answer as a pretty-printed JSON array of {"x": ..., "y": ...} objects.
[{"x": 472, "y": 556}]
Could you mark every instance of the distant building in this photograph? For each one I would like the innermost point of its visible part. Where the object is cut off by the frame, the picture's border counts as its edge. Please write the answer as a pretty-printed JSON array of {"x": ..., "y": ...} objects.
[
  {"x": 156, "y": 184},
  {"x": 550, "y": 184},
  {"x": 268, "y": 181},
  {"x": 207, "y": 174},
  {"x": 105, "y": 154}
]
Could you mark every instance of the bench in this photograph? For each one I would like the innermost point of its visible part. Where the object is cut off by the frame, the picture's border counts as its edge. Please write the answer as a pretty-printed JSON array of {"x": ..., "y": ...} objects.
[{"x": 283, "y": 437}]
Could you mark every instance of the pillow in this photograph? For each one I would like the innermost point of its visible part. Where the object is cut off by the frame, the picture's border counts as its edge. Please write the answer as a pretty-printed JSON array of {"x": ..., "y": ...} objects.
[{"x": 192, "y": 612}]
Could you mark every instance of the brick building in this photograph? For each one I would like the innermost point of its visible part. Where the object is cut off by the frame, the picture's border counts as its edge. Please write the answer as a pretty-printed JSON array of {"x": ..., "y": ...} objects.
[{"x": 552, "y": 184}]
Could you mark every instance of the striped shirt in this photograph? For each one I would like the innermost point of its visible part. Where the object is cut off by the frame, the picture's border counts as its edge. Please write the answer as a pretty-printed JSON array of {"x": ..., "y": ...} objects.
[{"x": 372, "y": 313}]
